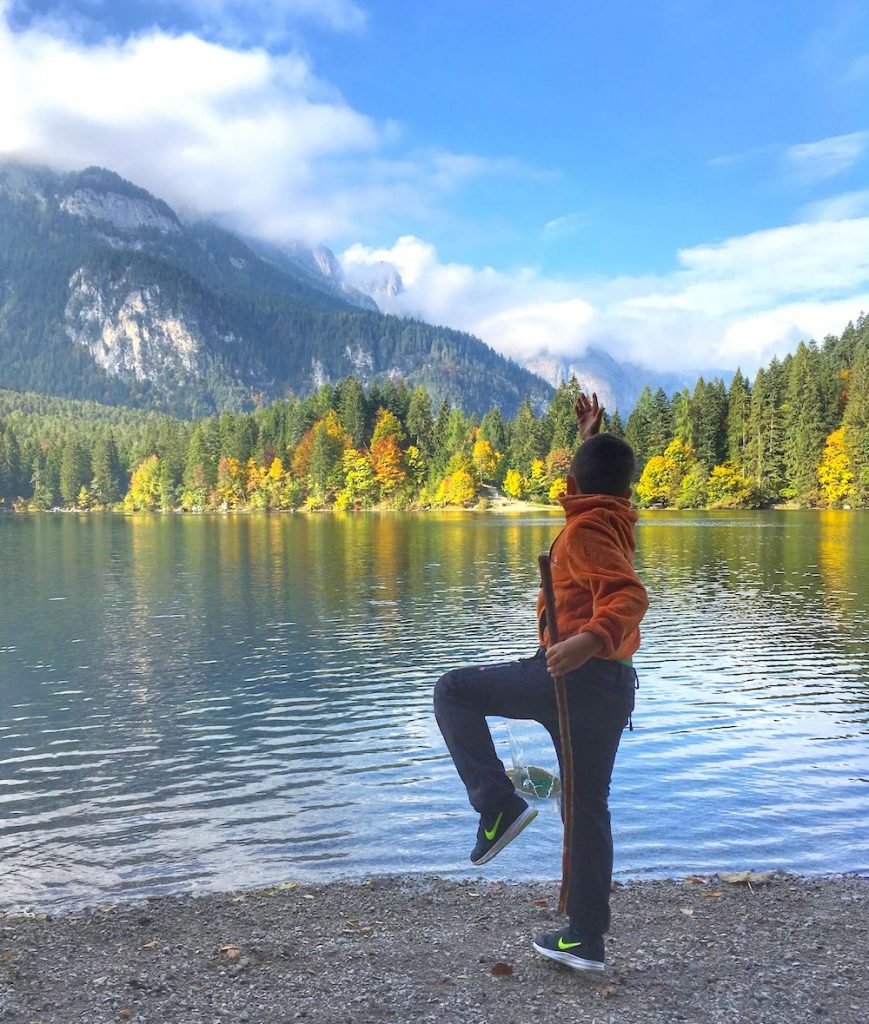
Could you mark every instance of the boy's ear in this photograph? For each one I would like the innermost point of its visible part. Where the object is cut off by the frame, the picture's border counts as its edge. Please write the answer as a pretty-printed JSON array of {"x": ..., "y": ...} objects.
[{"x": 572, "y": 485}]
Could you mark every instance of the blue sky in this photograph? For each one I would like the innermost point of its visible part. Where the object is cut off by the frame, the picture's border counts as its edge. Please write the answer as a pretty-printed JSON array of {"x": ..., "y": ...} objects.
[{"x": 680, "y": 177}]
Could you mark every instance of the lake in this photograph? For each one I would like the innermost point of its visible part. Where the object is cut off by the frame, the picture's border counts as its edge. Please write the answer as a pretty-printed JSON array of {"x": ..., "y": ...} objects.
[{"x": 220, "y": 702}]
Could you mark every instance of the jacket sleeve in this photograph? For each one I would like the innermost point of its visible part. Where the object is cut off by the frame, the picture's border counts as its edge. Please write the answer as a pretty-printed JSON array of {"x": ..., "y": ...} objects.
[{"x": 619, "y": 599}]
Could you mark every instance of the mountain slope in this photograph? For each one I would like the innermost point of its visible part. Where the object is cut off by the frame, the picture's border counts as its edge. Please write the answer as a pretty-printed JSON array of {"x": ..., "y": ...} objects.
[{"x": 107, "y": 294}]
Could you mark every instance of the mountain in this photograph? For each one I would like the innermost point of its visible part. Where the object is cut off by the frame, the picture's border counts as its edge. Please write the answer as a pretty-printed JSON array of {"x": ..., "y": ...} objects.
[
  {"x": 617, "y": 384},
  {"x": 107, "y": 294}
]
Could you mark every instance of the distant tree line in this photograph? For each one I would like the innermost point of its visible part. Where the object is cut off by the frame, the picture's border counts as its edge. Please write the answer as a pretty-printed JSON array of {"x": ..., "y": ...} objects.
[{"x": 799, "y": 432}]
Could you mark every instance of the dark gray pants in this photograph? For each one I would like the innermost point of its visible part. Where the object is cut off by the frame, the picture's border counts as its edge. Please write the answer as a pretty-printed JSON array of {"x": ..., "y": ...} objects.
[{"x": 600, "y": 698}]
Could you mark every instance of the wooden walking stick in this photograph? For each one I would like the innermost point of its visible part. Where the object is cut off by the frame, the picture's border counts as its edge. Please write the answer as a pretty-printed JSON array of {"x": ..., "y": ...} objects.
[{"x": 563, "y": 732}]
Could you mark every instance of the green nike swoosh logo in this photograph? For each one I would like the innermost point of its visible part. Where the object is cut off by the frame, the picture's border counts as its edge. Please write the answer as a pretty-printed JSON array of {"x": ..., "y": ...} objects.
[
  {"x": 490, "y": 833},
  {"x": 567, "y": 945}
]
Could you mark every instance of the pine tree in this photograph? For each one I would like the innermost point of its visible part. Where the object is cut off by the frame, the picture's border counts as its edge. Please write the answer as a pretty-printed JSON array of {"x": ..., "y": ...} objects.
[
  {"x": 420, "y": 422},
  {"x": 710, "y": 414},
  {"x": 638, "y": 431},
  {"x": 684, "y": 425},
  {"x": 352, "y": 409},
  {"x": 12, "y": 484},
  {"x": 738, "y": 405},
  {"x": 525, "y": 441},
  {"x": 613, "y": 424},
  {"x": 661, "y": 429},
  {"x": 494, "y": 430},
  {"x": 805, "y": 422},
  {"x": 856, "y": 424},
  {"x": 74, "y": 470},
  {"x": 107, "y": 484},
  {"x": 561, "y": 416}
]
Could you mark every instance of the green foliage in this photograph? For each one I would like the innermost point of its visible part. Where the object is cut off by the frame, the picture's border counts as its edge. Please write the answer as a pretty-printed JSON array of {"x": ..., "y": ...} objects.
[{"x": 800, "y": 433}]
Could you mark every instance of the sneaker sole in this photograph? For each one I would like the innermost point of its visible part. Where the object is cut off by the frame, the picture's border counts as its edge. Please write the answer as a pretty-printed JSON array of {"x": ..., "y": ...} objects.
[
  {"x": 525, "y": 818},
  {"x": 576, "y": 962}
]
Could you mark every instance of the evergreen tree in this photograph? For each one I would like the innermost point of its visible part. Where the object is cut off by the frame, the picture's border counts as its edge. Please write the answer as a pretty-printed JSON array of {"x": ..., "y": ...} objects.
[
  {"x": 440, "y": 445},
  {"x": 660, "y": 423},
  {"x": 420, "y": 422},
  {"x": 684, "y": 425},
  {"x": 44, "y": 493},
  {"x": 738, "y": 405},
  {"x": 710, "y": 411},
  {"x": 352, "y": 410},
  {"x": 200, "y": 463},
  {"x": 74, "y": 470},
  {"x": 107, "y": 485},
  {"x": 856, "y": 423},
  {"x": 561, "y": 417},
  {"x": 494, "y": 430},
  {"x": 638, "y": 431},
  {"x": 805, "y": 422},
  {"x": 613, "y": 424},
  {"x": 525, "y": 440},
  {"x": 12, "y": 484}
]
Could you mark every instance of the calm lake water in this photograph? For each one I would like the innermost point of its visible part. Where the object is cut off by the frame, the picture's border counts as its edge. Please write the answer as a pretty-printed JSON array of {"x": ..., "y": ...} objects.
[{"x": 200, "y": 703}]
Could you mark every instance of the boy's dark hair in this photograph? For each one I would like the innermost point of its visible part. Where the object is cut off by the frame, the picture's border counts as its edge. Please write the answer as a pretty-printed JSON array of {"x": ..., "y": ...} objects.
[{"x": 604, "y": 464}]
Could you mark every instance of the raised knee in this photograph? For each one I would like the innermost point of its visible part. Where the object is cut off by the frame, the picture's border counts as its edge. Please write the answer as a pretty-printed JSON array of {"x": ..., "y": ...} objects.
[{"x": 445, "y": 687}]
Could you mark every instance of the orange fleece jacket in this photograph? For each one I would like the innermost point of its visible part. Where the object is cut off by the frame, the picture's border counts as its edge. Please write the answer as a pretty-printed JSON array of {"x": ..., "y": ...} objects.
[{"x": 596, "y": 588}]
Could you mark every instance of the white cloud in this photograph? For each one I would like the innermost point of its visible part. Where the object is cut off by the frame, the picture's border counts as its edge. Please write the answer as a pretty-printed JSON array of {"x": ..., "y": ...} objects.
[
  {"x": 740, "y": 301},
  {"x": 236, "y": 132},
  {"x": 563, "y": 227},
  {"x": 340, "y": 15},
  {"x": 841, "y": 207},
  {"x": 815, "y": 161}
]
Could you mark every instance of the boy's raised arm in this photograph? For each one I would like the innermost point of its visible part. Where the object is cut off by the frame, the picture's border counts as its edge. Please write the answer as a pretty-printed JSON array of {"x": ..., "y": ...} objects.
[{"x": 588, "y": 415}]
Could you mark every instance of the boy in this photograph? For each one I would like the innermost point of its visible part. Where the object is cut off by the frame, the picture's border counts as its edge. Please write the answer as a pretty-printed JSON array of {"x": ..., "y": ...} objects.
[{"x": 600, "y": 602}]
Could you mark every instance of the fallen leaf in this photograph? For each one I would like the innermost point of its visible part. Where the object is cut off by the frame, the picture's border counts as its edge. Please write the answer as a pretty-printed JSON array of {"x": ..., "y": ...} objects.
[
  {"x": 500, "y": 969},
  {"x": 473, "y": 895},
  {"x": 745, "y": 877},
  {"x": 367, "y": 930},
  {"x": 149, "y": 945},
  {"x": 307, "y": 896},
  {"x": 288, "y": 885},
  {"x": 230, "y": 952},
  {"x": 687, "y": 911},
  {"x": 126, "y": 1013},
  {"x": 695, "y": 879},
  {"x": 239, "y": 899},
  {"x": 608, "y": 991},
  {"x": 464, "y": 977},
  {"x": 541, "y": 903},
  {"x": 710, "y": 895}
]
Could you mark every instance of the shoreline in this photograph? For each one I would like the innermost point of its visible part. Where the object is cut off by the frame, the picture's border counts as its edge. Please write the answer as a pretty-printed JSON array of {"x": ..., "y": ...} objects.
[{"x": 779, "y": 948}]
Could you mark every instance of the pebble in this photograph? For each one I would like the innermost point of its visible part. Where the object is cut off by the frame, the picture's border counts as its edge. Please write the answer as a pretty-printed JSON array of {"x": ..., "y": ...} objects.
[{"x": 745, "y": 956}]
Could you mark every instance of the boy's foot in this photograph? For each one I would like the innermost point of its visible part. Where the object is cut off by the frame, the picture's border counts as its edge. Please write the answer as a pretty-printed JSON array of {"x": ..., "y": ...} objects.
[
  {"x": 497, "y": 831},
  {"x": 582, "y": 952}
]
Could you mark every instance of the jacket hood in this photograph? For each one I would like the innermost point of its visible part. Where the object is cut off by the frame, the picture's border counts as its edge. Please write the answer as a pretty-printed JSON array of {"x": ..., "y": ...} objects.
[{"x": 614, "y": 517}]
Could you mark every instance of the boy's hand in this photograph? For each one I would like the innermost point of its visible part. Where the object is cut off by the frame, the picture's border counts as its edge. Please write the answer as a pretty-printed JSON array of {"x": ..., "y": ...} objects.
[
  {"x": 572, "y": 653},
  {"x": 588, "y": 415}
]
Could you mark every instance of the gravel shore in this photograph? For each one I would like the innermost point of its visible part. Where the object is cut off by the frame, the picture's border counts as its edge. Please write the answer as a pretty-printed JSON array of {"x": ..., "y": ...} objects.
[{"x": 779, "y": 950}]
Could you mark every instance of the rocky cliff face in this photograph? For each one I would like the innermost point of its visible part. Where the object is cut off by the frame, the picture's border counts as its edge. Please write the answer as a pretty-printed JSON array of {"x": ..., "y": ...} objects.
[
  {"x": 131, "y": 331},
  {"x": 106, "y": 293}
]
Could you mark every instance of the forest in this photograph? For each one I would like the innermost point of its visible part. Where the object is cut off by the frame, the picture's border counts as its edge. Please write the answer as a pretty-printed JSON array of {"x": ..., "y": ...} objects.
[{"x": 797, "y": 434}]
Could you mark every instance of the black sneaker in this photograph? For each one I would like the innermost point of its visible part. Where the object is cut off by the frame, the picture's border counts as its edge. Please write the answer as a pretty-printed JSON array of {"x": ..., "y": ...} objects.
[
  {"x": 579, "y": 951},
  {"x": 496, "y": 832}
]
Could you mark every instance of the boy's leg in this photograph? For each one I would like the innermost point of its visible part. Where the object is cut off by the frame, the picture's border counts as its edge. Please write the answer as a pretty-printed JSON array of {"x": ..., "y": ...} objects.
[
  {"x": 600, "y": 697},
  {"x": 463, "y": 699}
]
